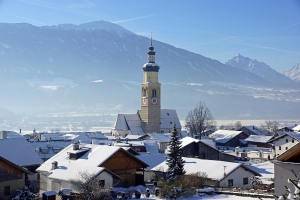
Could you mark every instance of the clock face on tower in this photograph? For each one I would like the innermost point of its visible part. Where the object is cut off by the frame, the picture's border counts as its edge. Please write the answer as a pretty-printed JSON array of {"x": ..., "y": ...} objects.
[{"x": 154, "y": 101}]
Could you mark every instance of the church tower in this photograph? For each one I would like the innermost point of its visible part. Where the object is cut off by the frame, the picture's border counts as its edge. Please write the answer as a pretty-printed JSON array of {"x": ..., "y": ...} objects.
[{"x": 150, "y": 95}]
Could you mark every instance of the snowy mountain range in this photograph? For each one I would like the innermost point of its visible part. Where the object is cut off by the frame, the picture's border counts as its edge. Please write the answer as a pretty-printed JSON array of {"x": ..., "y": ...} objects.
[
  {"x": 294, "y": 73},
  {"x": 98, "y": 66},
  {"x": 259, "y": 68}
]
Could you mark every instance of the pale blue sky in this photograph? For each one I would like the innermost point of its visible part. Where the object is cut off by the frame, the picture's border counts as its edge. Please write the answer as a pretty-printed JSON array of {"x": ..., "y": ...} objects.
[{"x": 267, "y": 30}]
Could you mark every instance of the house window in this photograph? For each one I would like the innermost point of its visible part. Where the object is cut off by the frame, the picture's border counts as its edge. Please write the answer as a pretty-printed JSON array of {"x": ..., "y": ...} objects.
[
  {"x": 6, "y": 190},
  {"x": 101, "y": 183},
  {"x": 286, "y": 148},
  {"x": 245, "y": 181},
  {"x": 287, "y": 140},
  {"x": 292, "y": 140},
  {"x": 230, "y": 182},
  {"x": 279, "y": 147}
]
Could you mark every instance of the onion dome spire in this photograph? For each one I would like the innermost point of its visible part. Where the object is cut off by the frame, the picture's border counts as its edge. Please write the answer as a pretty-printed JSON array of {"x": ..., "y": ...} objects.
[{"x": 151, "y": 65}]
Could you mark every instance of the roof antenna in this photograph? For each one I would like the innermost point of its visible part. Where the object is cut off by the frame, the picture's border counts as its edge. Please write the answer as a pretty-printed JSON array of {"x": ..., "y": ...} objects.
[{"x": 151, "y": 38}]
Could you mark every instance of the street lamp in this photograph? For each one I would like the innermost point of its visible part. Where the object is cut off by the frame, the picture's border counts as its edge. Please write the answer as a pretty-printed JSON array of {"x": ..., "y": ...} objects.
[{"x": 224, "y": 174}]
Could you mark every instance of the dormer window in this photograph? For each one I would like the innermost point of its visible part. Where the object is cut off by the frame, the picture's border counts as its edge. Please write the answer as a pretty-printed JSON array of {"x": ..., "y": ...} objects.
[
  {"x": 45, "y": 151},
  {"x": 77, "y": 153},
  {"x": 56, "y": 150}
]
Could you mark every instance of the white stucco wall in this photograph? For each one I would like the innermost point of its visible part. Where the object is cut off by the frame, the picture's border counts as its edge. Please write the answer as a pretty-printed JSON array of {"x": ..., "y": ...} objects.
[
  {"x": 283, "y": 144},
  {"x": 282, "y": 172},
  {"x": 237, "y": 177}
]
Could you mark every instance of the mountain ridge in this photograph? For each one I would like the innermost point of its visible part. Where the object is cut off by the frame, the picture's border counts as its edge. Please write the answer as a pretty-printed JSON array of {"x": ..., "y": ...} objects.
[
  {"x": 58, "y": 69},
  {"x": 259, "y": 68}
]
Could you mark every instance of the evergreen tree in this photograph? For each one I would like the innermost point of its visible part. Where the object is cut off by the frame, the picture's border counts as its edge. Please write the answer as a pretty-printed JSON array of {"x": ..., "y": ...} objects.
[{"x": 175, "y": 161}]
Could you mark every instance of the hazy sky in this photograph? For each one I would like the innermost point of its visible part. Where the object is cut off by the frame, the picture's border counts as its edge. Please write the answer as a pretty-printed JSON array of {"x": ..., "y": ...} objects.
[{"x": 266, "y": 30}]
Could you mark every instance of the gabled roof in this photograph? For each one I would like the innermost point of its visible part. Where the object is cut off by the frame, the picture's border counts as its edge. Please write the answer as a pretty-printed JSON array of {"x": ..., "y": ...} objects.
[
  {"x": 130, "y": 122},
  {"x": 266, "y": 169},
  {"x": 73, "y": 172},
  {"x": 291, "y": 153},
  {"x": 95, "y": 156},
  {"x": 19, "y": 151},
  {"x": 167, "y": 119},
  {"x": 223, "y": 136},
  {"x": 296, "y": 136},
  {"x": 258, "y": 138},
  {"x": 256, "y": 130},
  {"x": 213, "y": 168},
  {"x": 15, "y": 165},
  {"x": 297, "y": 128},
  {"x": 160, "y": 137},
  {"x": 188, "y": 140}
]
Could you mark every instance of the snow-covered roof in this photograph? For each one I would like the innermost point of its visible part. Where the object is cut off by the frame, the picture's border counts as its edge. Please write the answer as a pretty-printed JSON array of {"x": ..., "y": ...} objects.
[
  {"x": 213, "y": 168},
  {"x": 130, "y": 122},
  {"x": 223, "y": 136},
  {"x": 160, "y": 137},
  {"x": 209, "y": 142},
  {"x": 187, "y": 140},
  {"x": 258, "y": 138},
  {"x": 151, "y": 147},
  {"x": 95, "y": 156},
  {"x": 13, "y": 134},
  {"x": 74, "y": 172},
  {"x": 167, "y": 119},
  {"x": 296, "y": 136},
  {"x": 51, "y": 146},
  {"x": 297, "y": 128},
  {"x": 133, "y": 123},
  {"x": 256, "y": 130},
  {"x": 266, "y": 169},
  {"x": 134, "y": 137},
  {"x": 19, "y": 151},
  {"x": 152, "y": 157}
]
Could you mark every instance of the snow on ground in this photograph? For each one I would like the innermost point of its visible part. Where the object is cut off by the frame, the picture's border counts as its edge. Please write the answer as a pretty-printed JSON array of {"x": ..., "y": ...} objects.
[{"x": 215, "y": 196}]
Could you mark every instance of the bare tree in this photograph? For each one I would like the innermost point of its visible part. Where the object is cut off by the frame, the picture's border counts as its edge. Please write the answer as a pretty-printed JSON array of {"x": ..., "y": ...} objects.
[
  {"x": 238, "y": 125},
  {"x": 89, "y": 187},
  {"x": 270, "y": 126},
  {"x": 199, "y": 120}
]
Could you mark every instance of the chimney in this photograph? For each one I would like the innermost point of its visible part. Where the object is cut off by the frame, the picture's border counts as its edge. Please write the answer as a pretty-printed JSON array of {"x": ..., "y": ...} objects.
[
  {"x": 54, "y": 165},
  {"x": 20, "y": 131},
  {"x": 75, "y": 146},
  {"x": 3, "y": 134}
]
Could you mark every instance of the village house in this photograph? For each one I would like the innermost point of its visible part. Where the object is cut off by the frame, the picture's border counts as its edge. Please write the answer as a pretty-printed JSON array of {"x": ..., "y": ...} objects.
[
  {"x": 219, "y": 173},
  {"x": 110, "y": 161},
  {"x": 227, "y": 138},
  {"x": 259, "y": 141},
  {"x": 12, "y": 178},
  {"x": 285, "y": 142},
  {"x": 285, "y": 167},
  {"x": 203, "y": 149},
  {"x": 253, "y": 130},
  {"x": 286, "y": 128},
  {"x": 21, "y": 152}
]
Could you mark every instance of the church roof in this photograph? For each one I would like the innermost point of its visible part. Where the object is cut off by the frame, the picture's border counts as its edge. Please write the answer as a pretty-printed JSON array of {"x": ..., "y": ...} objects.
[
  {"x": 130, "y": 122},
  {"x": 168, "y": 117}
]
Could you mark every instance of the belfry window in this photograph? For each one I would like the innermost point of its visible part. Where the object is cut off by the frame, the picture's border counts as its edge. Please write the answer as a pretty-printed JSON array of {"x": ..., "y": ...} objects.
[
  {"x": 154, "y": 93},
  {"x": 144, "y": 92}
]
